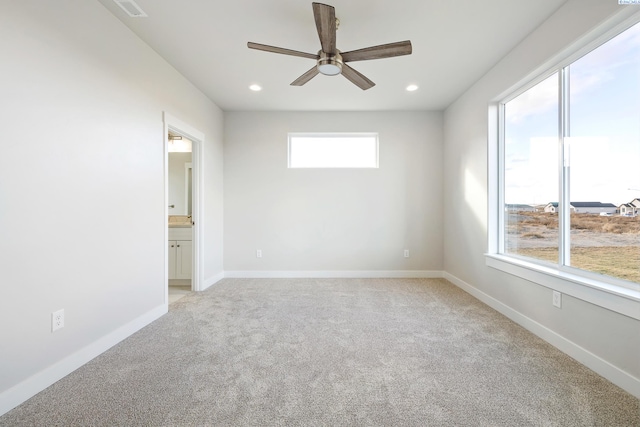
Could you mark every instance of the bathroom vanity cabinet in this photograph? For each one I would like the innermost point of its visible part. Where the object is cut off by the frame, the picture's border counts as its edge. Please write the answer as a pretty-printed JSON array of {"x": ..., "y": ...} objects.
[{"x": 180, "y": 253}]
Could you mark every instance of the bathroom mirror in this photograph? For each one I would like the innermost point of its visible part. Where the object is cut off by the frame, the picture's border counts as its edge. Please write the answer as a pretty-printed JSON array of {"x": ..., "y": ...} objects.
[{"x": 180, "y": 184}]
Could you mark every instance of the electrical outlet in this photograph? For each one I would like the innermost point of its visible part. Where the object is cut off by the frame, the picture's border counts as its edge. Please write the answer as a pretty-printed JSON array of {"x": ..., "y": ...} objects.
[
  {"x": 57, "y": 320},
  {"x": 258, "y": 253},
  {"x": 557, "y": 299},
  {"x": 406, "y": 253}
]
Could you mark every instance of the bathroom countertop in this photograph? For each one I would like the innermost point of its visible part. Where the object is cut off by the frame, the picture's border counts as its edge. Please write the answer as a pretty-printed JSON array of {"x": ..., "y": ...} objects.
[
  {"x": 179, "y": 221},
  {"x": 179, "y": 225}
]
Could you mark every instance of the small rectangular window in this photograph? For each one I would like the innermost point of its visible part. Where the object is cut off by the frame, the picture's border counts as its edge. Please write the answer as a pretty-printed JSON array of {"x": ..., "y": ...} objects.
[{"x": 333, "y": 150}]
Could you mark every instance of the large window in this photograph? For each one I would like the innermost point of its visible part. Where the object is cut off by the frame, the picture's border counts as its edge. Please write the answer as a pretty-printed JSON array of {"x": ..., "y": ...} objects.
[
  {"x": 331, "y": 150},
  {"x": 570, "y": 166}
]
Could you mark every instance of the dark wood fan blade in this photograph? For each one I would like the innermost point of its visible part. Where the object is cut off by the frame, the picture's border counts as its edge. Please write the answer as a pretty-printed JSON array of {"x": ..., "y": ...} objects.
[
  {"x": 305, "y": 77},
  {"x": 356, "y": 78},
  {"x": 377, "y": 52},
  {"x": 325, "y": 17},
  {"x": 281, "y": 50}
]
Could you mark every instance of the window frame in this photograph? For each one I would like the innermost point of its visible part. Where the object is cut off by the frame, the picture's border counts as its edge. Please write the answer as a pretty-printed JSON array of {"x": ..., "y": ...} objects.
[
  {"x": 375, "y": 135},
  {"x": 609, "y": 292}
]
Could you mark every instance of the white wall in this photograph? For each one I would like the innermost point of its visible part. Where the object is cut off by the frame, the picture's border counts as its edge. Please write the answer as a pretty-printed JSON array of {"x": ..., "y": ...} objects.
[
  {"x": 333, "y": 219},
  {"x": 82, "y": 207},
  {"x": 609, "y": 340}
]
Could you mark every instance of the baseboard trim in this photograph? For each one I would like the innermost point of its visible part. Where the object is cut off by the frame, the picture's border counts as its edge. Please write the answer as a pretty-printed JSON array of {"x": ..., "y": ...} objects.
[
  {"x": 212, "y": 280},
  {"x": 612, "y": 373},
  {"x": 321, "y": 274},
  {"x": 33, "y": 385}
]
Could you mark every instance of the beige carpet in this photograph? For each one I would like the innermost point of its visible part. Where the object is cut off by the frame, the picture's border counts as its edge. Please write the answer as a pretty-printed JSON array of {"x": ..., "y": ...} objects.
[{"x": 331, "y": 352}]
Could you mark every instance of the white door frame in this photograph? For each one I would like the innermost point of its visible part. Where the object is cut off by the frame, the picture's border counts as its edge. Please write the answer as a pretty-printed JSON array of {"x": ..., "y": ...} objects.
[{"x": 181, "y": 128}]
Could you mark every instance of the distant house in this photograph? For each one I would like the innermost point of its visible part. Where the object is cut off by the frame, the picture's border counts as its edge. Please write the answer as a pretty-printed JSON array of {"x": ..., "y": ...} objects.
[
  {"x": 630, "y": 209},
  {"x": 594, "y": 207},
  {"x": 627, "y": 209},
  {"x": 553, "y": 207},
  {"x": 515, "y": 207},
  {"x": 585, "y": 207}
]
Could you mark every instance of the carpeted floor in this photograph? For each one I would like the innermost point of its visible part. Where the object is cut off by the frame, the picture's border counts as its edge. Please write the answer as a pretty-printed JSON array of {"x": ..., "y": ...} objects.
[{"x": 331, "y": 352}]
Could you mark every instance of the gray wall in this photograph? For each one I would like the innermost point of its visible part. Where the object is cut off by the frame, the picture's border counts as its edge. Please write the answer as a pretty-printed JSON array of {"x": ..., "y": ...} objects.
[
  {"x": 333, "y": 219},
  {"x": 82, "y": 213},
  {"x": 612, "y": 338}
]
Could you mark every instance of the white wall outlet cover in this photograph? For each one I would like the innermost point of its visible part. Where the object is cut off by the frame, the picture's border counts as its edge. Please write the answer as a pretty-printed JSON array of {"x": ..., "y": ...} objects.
[
  {"x": 557, "y": 299},
  {"x": 57, "y": 320}
]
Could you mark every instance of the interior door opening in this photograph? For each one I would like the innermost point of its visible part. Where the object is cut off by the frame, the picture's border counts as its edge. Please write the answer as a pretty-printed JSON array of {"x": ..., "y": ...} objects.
[
  {"x": 183, "y": 174},
  {"x": 180, "y": 219}
]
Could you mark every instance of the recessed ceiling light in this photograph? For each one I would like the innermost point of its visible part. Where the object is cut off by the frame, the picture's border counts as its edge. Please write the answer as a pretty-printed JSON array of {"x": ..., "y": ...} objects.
[
  {"x": 412, "y": 88},
  {"x": 255, "y": 88}
]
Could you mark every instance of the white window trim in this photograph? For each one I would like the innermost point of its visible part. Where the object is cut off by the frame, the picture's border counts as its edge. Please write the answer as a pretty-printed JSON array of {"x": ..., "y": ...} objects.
[
  {"x": 619, "y": 298},
  {"x": 334, "y": 135},
  {"x": 612, "y": 297}
]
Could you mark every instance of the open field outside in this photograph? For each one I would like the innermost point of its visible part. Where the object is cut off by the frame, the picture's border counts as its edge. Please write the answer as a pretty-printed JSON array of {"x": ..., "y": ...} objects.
[{"x": 603, "y": 244}]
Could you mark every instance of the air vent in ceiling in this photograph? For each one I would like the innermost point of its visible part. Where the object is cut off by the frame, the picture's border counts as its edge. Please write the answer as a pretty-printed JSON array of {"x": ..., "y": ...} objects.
[{"x": 131, "y": 8}]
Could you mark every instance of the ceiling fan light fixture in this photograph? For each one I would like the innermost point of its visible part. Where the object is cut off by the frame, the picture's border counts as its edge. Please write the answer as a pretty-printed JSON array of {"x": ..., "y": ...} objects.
[
  {"x": 330, "y": 69},
  {"x": 328, "y": 64}
]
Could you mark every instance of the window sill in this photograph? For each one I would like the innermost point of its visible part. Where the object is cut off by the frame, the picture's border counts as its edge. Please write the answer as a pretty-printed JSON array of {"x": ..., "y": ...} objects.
[{"x": 615, "y": 298}]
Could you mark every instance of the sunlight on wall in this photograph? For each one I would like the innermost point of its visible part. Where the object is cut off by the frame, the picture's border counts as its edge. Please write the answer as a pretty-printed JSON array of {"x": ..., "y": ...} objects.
[{"x": 475, "y": 196}]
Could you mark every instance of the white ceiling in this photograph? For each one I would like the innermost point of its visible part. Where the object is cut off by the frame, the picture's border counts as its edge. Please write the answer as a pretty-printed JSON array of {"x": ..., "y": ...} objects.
[{"x": 454, "y": 42}]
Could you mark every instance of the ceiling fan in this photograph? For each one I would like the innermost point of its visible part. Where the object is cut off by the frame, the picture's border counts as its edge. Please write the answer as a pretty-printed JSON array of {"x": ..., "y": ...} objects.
[{"x": 330, "y": 61}]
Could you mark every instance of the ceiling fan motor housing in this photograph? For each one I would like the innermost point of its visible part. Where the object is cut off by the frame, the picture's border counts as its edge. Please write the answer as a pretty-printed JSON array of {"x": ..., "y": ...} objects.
[{"x": 329, "y": 64}]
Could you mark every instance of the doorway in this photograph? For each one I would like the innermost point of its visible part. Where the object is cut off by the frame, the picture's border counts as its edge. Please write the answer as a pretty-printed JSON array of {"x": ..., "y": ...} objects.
[
  {"x": 180, "y": 220},
  {"x": 183, "y": 260}
]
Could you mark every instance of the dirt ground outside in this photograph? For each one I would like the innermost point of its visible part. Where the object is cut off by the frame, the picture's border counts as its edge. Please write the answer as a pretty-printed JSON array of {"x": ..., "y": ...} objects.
[{"x": 603, "y": 244}]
